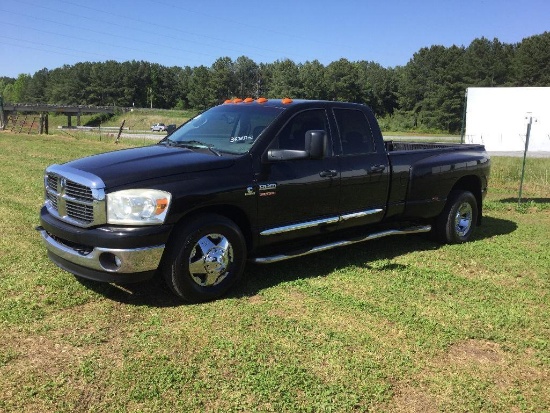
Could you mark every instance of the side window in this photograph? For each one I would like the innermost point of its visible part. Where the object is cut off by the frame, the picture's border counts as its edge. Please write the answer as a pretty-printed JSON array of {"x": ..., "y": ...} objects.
[
  {"x": 292, "y": 136},
  {"x": 355, "y": 131}
]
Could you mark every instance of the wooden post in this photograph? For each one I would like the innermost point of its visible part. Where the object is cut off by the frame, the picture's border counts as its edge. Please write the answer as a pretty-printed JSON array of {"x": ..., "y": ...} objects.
[
  {"x": 32, "y": 125},
  {"x": 120, "y": 131}
]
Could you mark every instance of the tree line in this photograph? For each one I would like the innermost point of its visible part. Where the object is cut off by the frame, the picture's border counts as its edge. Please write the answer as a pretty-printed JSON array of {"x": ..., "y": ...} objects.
[{"x": 425, "y": 94}]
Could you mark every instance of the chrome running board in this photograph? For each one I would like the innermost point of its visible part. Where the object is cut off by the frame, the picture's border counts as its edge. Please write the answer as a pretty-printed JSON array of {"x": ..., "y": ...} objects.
[{"x": 336, "y": 244}]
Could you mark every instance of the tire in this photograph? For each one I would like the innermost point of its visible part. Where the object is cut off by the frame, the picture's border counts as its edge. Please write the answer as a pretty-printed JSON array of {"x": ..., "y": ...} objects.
[
  {"x": 456, "y": 223},
  {"x": 205, "y": 258}
]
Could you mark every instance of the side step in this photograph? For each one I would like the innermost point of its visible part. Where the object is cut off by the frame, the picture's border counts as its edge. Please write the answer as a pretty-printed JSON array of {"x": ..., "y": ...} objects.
[{"x": 343, "y": 243}]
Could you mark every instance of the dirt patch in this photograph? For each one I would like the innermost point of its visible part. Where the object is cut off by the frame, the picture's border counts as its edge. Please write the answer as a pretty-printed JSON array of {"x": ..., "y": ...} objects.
[
  {"x": 476, "y": 351},
  {"x": 256, "y": 299},
  {"x": 443, "y": 380},
  {"x": 409, "y": 399}
]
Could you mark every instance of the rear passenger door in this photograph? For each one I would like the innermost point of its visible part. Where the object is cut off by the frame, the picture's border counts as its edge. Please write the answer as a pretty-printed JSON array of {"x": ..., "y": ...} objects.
[{"x": 364, "y": 169}]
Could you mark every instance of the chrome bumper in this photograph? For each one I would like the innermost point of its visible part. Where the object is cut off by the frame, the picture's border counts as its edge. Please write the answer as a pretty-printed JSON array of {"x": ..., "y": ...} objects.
[{"x": 114, "y": 261}]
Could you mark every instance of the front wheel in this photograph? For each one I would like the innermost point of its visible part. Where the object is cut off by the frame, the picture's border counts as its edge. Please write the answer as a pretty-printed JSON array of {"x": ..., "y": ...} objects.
[
  {"x": 205, "y": 258},
  {"x": 456, "y": 223}
]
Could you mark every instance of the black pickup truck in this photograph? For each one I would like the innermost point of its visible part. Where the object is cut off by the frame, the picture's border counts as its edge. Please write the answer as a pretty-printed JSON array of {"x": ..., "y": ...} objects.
[{"x": 258, "y": 180}]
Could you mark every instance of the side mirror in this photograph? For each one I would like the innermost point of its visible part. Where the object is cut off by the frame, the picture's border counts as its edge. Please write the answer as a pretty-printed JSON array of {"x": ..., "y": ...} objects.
[
  {"x": 316, "y": 147},
  {"x": 316, "y": 144},
  {"x": 286, "y": 155}
]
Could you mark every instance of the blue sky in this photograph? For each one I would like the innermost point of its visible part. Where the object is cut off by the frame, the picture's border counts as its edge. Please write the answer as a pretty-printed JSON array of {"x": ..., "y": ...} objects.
[{"x": 50, "y": 33}]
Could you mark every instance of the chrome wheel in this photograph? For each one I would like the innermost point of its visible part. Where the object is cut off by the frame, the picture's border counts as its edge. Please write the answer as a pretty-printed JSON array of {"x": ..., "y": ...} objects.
[
  {"x": 463, "y": 219},
  {"x": 457, "y": 221},
  {"x": 210, "y": 260}
]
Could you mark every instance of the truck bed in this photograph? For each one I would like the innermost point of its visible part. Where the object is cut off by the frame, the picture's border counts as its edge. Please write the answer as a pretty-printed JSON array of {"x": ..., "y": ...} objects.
[{"x": 394, "y": 146}]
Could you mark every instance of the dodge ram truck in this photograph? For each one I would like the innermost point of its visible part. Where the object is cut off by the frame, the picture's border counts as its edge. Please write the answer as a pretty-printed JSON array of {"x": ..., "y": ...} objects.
[{"x": 254, "y": 180}]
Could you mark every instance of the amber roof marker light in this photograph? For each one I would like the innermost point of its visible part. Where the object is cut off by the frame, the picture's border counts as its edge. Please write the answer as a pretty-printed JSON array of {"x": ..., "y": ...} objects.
[
  {"x": 250, "y": 100},
  {"x": 286, "y": 101}
]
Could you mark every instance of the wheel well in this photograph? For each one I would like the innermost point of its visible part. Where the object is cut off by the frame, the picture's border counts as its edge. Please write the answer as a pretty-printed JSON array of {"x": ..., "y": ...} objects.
[
  {"x": 229, "y": 211},
  {"x": 471, "y": 183}
]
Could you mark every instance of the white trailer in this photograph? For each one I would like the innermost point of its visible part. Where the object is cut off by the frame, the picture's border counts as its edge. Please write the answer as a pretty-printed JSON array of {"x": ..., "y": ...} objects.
[{"x": 498, "y": 117}]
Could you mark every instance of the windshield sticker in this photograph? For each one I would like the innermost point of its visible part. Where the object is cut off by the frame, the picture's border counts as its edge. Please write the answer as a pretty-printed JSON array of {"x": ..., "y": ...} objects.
[{"x": 237, "y": 139}]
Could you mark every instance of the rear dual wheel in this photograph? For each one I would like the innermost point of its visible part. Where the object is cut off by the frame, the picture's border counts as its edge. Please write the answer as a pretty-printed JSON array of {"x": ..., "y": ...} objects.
[
  {"x": 205, "y": 259},
  {"x": 456, "y": 223}
]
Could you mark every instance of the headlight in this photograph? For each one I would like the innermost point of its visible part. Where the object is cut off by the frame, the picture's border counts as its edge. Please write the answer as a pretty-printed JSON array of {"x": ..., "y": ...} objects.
[{"x": 137, "y": 207}]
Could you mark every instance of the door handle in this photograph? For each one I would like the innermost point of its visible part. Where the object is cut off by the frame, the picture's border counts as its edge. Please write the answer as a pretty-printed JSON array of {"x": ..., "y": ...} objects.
[
  {"x": 328, "y": 174},
  {"x": 377, "y": 168}
]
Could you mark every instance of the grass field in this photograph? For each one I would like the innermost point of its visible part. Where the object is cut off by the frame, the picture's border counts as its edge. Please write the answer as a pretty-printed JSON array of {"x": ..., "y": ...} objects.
[{"x": 396, "y": 325}]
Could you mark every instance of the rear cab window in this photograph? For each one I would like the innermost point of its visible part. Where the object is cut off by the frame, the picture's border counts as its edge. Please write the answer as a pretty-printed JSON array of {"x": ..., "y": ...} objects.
[{"x": 355, "y": 132}]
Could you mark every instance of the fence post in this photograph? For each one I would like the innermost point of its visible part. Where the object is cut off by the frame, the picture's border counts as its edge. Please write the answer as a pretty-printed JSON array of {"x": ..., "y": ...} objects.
[
  {"x": 120, "y": 131},
  {"x": 525, "y": 157}
]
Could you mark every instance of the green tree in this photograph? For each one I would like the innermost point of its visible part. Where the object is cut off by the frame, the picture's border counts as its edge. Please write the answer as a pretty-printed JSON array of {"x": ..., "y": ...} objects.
[
  {"x": 70, "y": 85},
  {"x": 105, "y": 86},
  {"x": 431, "y": 88},
  {"x": 532, "y": 61},
  {"x": 342, "y": 81},
  {"x": 20, "y": 88},
  {"x": 284, "y": 80},
  {"x": 263, "y": 83},
  {"x": 246, "y": 76},
  {"x": 312, "y": 78},
  {"x": 378, "y": 87},
  {"x": 199, "y": 92},
  {"x": 6, "y": 88},
  {"x": 487, "y": 63},
  {"x": 183, "y": 78},
  {"x": 223, "y": 83},
  {"x": 36, "y": 89}
]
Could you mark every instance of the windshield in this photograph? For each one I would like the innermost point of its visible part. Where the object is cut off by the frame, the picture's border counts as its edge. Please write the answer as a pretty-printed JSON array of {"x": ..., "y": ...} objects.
[{"x": 226, "y": 128}]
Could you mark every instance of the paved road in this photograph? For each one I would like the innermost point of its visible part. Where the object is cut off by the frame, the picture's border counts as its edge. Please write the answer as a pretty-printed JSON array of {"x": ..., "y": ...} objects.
[{"x": 535, "y": 154}]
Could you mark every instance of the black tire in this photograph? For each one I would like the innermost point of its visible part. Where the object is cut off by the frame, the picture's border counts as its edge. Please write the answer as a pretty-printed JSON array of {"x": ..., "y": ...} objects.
[
  {"x": 205, "y": 258},
  {"x": 456, "y": 223}
]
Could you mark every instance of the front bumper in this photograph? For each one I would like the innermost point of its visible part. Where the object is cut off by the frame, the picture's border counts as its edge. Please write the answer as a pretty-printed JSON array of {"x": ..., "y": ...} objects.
[{"x": 124, "y": 254}]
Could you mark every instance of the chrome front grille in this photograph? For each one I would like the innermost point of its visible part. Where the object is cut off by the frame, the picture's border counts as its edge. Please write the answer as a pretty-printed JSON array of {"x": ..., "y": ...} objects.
[
  {"x": 81, "y": 212},
  {"x": 51, "y": 182},
  {"x": 80, "y": 192},
  {"x": 52, "y": 197},
  {"x": 74, "y": 196}
]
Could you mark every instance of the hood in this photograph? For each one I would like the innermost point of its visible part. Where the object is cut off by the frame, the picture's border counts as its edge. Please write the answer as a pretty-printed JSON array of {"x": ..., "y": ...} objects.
[{"x": 150, "y": 162}]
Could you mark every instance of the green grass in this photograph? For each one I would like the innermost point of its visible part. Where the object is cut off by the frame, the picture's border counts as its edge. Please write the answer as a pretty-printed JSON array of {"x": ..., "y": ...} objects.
[{"x": 399, "y": 324}]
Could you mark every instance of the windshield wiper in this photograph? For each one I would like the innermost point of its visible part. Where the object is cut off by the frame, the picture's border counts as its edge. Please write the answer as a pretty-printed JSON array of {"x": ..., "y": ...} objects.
[{"x": 194, "y": 144}]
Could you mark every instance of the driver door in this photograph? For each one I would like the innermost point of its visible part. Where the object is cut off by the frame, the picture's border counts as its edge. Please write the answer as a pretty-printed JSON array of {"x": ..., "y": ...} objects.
[{"x": 298, "y": 197}]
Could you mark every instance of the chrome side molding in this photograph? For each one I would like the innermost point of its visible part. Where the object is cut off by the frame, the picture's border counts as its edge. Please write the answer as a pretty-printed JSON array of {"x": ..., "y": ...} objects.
[{"x": 316, "y": 223}]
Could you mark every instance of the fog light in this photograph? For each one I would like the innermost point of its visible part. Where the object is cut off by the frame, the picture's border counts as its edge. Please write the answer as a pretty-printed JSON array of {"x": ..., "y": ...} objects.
[{"x": 110, "y": 262}]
